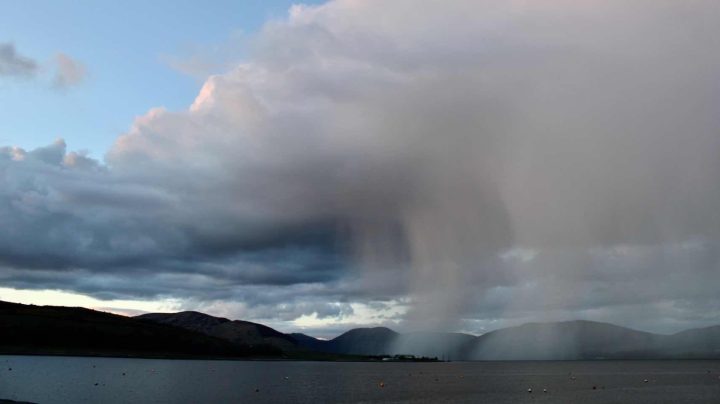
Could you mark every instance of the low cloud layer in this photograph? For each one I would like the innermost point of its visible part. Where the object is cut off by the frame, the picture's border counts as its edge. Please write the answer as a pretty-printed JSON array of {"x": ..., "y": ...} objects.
[{"x": 475, "y": 164}]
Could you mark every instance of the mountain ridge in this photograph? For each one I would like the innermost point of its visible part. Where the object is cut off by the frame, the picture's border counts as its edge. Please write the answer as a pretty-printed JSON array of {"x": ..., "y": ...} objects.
[
  {"x": 196, "y": 333},
  {"x": 58, "y": 330},
  {"x": 234, "y": 331},
  {"x": 562, "y": 340}
]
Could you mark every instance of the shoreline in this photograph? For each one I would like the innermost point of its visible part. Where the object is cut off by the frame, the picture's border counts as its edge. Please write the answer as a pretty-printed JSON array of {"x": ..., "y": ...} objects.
[{"x": 346, "y": 360}]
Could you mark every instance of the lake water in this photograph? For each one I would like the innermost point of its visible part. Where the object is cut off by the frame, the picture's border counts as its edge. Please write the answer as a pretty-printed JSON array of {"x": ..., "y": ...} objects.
[{"x": 49, "y": 380}]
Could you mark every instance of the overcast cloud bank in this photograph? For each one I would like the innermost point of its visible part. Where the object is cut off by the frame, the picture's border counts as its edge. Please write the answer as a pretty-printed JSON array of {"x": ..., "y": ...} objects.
[{"x": 465, "y": 164}]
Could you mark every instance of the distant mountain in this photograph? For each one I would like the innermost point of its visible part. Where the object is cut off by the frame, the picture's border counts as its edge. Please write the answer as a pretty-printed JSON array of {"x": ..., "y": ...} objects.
[
  {"x": 29, "y": 329},
  {"x": 569, "y": 340},
  {"x": 310, "y": 343},
  {"x": 358, "y": 341},
  {"x": 364, "y": 341},
  {"x": 190, "y": 320},
  {"x": 698, "y": 342},
  {"x": 590, "y": 340},
  {"x": 384, "y": 341},
  {"x": 441, "y": 345},
  {"x": 236, "y": 332},
  {"x": 564, "y": 340}
]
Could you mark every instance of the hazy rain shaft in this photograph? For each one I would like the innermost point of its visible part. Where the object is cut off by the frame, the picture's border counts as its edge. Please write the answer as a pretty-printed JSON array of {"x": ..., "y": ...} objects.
[
  {"x": 484, "y": 162},
  {"x": 555, "y": 132}
]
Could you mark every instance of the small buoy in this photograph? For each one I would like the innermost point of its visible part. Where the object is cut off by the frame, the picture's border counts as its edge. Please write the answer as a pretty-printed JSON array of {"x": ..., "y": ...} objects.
[
  {"x": 645, "y": 381},
  {"x": 286, "y": 378},
  {"x": 594, "y": 387},
  {"x": 529, "y": 390},
  {"x": 544, "y": 390},
  {"x": 257, "y": 390},
  {"x": 123, "y": 373},
  {"x": 382, "y": 384}
]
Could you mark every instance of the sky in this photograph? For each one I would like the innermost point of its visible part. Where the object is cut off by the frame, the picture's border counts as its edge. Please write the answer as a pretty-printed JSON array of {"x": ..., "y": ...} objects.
[
  {"x": 136, "y": 55},
  {"x": 465, "y": 165}
]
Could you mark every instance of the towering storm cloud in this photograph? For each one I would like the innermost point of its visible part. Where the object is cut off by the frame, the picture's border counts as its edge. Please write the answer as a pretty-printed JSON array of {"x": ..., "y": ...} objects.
[{"x": 467, "y": 162}]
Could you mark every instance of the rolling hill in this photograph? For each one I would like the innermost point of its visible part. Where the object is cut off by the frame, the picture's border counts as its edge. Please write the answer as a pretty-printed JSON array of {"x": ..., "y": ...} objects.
[
  {"x": 28, "y": 329},
  {"x": 236, "y": 332}
]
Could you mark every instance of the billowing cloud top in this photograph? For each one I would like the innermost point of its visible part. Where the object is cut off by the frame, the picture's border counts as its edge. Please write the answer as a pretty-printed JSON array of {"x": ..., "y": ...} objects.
[{"x": 492, "y": 160}]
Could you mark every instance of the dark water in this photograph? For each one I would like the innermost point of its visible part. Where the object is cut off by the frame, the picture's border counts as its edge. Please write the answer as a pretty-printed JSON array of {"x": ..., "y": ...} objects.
[{"x": 107, "y": 380}]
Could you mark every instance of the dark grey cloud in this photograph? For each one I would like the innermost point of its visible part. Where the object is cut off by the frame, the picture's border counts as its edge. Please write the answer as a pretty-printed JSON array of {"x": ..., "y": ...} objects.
[
  {"x": 14, "y": 64},
  {"x": 477, "y": 163}
]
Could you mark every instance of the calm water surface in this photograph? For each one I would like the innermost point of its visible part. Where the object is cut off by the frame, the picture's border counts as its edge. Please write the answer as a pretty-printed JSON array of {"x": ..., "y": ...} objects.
[{"x": 109, "y": 380}]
